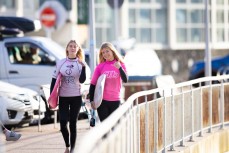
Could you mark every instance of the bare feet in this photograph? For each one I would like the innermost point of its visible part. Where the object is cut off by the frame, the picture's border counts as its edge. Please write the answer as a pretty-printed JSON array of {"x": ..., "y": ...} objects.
[{"x": 67, "y": 150}]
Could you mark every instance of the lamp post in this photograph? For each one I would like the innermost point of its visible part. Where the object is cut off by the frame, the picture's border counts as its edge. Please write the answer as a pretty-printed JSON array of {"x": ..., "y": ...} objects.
[
  {"x": 92, "y": 35},
  {"x": 207, "y": 46}
]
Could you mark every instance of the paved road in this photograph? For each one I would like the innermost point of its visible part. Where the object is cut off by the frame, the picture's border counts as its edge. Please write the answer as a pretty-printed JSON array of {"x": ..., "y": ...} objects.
[{"x": 49, "y": 140}]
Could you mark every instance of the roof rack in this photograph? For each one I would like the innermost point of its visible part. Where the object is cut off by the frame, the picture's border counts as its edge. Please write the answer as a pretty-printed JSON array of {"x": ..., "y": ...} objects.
[
  {"x": 19, "y": 23},
  {"x": 12, "y": 26}
]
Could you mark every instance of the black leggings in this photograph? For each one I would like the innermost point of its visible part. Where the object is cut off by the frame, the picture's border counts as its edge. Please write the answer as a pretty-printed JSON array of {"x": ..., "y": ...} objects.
[
  {"x": 106, "y": 108},
  {"x": 69, "y": 108}
]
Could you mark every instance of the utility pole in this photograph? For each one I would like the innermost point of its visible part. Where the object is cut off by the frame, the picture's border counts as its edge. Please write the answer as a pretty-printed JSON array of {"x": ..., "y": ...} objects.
[
  {"x": 92, "y": 35},
  {"x": 207, "y": 47}
]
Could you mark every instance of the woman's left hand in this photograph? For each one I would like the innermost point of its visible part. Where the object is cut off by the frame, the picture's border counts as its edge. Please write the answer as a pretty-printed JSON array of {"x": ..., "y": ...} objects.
[{"x": 117, "y": 64}]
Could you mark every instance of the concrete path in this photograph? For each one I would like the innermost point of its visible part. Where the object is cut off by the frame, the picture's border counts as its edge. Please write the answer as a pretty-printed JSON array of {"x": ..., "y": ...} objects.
[{"x": 49, "y": 140}]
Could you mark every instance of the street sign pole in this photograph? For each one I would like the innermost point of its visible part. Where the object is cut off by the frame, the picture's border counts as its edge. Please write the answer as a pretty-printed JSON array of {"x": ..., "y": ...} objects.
[
  {"x": 92, "y": 35},
  {"x": 116, "y": 19}
]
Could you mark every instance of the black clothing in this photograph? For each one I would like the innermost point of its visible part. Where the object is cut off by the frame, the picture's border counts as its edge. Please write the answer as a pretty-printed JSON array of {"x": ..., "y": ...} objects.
[{"x": 71, "y": 115}]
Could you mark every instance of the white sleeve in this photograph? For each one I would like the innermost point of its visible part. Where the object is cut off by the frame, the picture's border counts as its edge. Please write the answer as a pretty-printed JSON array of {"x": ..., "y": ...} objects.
[{"x": 57, "y": 68}]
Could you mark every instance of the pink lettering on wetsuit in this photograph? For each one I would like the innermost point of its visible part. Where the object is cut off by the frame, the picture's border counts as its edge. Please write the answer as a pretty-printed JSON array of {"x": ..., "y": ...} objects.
[{"x": 113, "y": 81}]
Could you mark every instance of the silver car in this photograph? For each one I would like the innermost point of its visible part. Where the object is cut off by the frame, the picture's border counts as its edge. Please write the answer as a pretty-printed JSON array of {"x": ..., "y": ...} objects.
[{"x": 19, "y": 105}]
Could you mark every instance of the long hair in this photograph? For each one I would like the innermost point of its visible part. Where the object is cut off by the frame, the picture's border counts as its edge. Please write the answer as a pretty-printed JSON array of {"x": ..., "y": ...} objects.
[
  {"x": 116, "y": 54},
  {"x": 79, "y": 54}
]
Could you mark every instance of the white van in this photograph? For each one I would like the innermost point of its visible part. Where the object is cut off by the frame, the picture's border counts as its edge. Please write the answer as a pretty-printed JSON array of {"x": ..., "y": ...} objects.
[{"x": 28, "y": 61}]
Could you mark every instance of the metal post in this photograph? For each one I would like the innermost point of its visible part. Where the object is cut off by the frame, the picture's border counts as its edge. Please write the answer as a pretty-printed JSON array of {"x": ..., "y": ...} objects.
[
  {"x": 116, "y": 19},
  {"x": 201, "y": 111},
  {"x": 172, "y": 120},
  {"x": 182, "y": 114},
  {"x": 55, "y": 119},
  {"x": 222, "y": 104},
  {"x": 92, "y": 35},
  {"x": 156, "y": 126},
  {"x": 138, "y": 127},
  {"x": 164, "y": 122},
  {"x": 192, "y": 114},
  {"x": 210, "y": 106},
  {"x": 146, "y": 125},
  {"x": 39, "y": 112},
  {"x": 207, "y": 47}
]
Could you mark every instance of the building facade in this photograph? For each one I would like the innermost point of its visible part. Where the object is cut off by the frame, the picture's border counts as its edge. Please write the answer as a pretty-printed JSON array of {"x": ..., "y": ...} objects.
[
  {"x": 162, "y": 25},
  {"x": 158, "y": 24}
]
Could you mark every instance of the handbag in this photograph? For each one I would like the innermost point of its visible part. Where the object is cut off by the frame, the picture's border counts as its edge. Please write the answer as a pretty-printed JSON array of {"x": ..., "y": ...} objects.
[
  {"x": 98, "y": 95},
  {"x": 53, "y": 98}
]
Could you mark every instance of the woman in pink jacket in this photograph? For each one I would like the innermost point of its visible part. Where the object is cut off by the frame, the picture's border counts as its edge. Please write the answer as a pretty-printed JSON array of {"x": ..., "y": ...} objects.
[{"x": 110, "y": 63}]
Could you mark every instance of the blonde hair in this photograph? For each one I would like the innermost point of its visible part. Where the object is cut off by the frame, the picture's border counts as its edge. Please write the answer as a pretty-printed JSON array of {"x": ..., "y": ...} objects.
[
  {"x": 79, "y": 54},
  {"x": 116, "y": 54}
]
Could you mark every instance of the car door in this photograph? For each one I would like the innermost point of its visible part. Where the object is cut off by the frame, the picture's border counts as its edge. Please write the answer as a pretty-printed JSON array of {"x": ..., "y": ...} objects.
[{"x": 28, "y": 64}]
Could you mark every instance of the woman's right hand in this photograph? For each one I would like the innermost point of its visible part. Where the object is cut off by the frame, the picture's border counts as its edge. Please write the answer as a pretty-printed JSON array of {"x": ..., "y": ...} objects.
[{"x": 92, "y": 105}]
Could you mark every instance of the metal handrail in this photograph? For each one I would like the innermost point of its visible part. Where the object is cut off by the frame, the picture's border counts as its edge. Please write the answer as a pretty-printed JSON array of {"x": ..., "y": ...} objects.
[{"x": 122, "y": 130}]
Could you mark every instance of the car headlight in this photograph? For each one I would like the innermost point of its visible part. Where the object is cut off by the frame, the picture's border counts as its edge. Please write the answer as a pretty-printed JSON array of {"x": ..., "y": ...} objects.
[{"x": 19, "y": 97}]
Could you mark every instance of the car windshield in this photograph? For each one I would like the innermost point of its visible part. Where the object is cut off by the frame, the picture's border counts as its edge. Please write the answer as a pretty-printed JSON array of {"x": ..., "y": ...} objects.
[{"x": 58, "y": 50}]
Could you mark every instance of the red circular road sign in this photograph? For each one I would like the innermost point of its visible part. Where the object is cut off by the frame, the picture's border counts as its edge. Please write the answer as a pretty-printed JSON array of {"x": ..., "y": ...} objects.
[{"x": 48, "y": 17}]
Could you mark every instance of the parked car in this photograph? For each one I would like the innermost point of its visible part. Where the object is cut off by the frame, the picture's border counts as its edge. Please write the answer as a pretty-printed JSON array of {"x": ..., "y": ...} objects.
[
  {"x": 18, "y": 67},
  {"x": 38, "y": 105},
  {"x": 218, "y": 64},
  {"x": 27, "y": 96}
]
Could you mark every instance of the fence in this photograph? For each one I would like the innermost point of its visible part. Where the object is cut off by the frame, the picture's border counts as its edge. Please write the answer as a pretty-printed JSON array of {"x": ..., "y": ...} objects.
[{"x": 157, "y": 125}]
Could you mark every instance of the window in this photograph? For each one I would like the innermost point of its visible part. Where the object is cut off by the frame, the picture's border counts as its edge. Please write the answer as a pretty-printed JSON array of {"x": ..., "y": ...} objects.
[
  {"x": 220, "y": 2},
  {"x": 161, "y": 35},
  {"x": 7, "y": 3},
  {"x": 220, "y": 16},
  {"x": 220, "y": 35},
  {"x": 145, "y": 16},
  {"x": 146, "y": 35},
  {"x": 145, "y": 1},
  {"x": 197, "y": 16},
  {"x": 197, "y": 1},
  {"x": 132, "y": 32},
  {"x": 197, "y": 35},
  {"x": 26, "y": 53},
  {"x": 132, "y": 16},
  {"x": 66, "y": 3},
  {"x": 161, "y": 16},
  {"x": 181, "y": 35},
  {"x": 181, "y": 16},
  {"x": 180, "y": 1}
]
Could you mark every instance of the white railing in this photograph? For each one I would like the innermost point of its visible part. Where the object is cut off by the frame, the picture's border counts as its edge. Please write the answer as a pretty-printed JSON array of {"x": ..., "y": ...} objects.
[{"x": 159, "y": 123}]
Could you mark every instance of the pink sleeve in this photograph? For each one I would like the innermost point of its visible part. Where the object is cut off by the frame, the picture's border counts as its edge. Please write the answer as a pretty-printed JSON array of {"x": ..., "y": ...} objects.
[{"x": 95, "y": 75}]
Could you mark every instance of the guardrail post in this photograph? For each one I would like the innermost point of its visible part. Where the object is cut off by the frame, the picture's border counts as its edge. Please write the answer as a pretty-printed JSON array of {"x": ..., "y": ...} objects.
[
  {"x": 210, "y": 106},
  {"x": 172, "y": 121},
  {"x": 39, "y": 111},
  {"x": 55, "y": 119},
  {"x": 146, "y": 125},
  {"x": 138, "y": 127},
  {"x": 192, "y": 115},
  {"x": 156, "y": 126},
  {"x": 182, "y": 114},
  {"x": 222, "y": 104},
  {"x": 164, "y": 122},
  {"x": 201, "y": 110}
]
